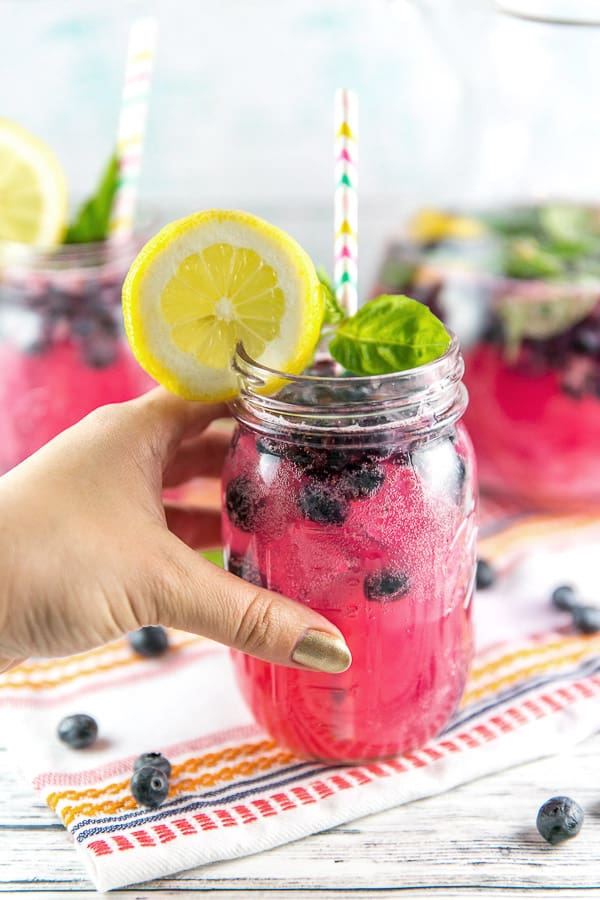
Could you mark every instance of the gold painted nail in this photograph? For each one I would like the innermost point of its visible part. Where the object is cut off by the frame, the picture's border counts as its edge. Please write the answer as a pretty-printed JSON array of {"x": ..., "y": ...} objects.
[{"x": 322, "y": 652}]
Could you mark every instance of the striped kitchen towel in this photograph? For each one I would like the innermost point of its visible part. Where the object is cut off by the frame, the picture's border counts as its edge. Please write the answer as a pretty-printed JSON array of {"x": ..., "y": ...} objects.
[{"x": 534, "y": 689}]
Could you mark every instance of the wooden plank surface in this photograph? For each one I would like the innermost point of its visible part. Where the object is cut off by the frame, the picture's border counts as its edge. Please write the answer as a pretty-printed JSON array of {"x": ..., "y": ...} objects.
[{"x": 477, "y": 840}]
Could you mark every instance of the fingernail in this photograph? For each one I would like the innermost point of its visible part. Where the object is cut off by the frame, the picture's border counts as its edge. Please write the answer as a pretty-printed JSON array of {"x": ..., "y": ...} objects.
[{"x": 323, "y": 652}]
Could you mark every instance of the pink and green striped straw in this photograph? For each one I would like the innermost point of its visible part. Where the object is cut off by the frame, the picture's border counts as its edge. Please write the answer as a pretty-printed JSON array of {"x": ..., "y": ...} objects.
[
  {"x": 345, "y": 269},
  {"x": 132, "y": 125}
]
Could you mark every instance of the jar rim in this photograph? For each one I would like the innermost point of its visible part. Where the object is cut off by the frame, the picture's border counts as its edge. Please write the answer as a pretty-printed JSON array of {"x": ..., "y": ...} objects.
[{"x": 253, "y": 368}]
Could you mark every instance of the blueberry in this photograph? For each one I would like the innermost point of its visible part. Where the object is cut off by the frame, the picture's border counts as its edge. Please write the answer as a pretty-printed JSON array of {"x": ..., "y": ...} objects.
[
  {"x": 387, "y": 584},
  {"x": 78, "y": 731},
  {"x": 149, "y": 786},
  {"x": 558, "y": 819},
  {"x": 271, "y": 446},
  {"x": 485, "y": 575},
  {"x": 323, "y": 504},
  {"x": 361, "y": 480},
  {"x": 154, "y": 760},
  {"x": 245, "y": 567},
  {"x": 564, "y": 597},
  {"x": 243, "y": 503},
  {"x": 152, "y": 640},
  {"x": 587, "y": 340},
  {"x": 586, "y": 619}
]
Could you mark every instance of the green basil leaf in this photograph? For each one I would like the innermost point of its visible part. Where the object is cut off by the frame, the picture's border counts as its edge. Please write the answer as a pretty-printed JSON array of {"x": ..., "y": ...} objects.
[
  {"x": 389, "y": 334},
  {"x": 526, "y": 258},
  {"x": 91, "y": 222},
  {"x": 334, "y": 313}
]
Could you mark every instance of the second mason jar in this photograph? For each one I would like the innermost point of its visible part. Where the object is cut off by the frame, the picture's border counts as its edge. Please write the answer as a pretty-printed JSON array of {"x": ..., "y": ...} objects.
[{"x": 356, "y": 496}]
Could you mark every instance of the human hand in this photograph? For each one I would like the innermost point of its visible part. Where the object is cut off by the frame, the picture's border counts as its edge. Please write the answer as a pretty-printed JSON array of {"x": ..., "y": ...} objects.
[{"x": 89, "y": 550}]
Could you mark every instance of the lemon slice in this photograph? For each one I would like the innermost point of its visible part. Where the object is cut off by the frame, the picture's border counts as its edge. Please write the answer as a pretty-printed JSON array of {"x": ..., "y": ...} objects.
[
  {"x": 33, "y": 189},
  {"x": 204, "y": 283},
  {"x": 430, "y": 225}
]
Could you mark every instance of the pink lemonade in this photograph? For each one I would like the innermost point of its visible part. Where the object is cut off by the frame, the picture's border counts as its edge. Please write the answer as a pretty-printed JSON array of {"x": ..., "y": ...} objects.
[
  {"x": 360, "y": 503},
  {"x": 524, "y": 299},
  {"x": 62, "y": 349}
]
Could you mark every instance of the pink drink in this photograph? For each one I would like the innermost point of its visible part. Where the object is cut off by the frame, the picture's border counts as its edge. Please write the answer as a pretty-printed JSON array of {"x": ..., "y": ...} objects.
[
  {"x": 525, "y": 303},
  {"x": 535, "y": 436},
  {"x": 62, "y": 350},
  {"x": 377, "y": 533}
]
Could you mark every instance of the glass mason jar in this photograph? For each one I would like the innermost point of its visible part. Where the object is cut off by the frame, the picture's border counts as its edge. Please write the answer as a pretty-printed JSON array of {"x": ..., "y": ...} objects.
[
  {"x": 532, "y": 360},
  {"x": 62, "y": 346},
  {"x": 357, "y": 497}
]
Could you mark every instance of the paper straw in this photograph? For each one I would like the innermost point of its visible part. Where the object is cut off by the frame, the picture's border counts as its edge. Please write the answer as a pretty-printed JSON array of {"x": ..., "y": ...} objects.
[
  {"x": 345, "y": 269},
  {"x": 132, "y": 124}
]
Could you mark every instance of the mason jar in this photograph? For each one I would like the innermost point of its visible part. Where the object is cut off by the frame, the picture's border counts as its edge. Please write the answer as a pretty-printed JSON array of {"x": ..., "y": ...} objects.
[
  {"x": 62, "y": 345},
  {"x": 357, "y": 497}
]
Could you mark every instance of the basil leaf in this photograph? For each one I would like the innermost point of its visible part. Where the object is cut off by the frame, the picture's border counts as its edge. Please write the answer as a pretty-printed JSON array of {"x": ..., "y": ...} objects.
[
  {"x": 334, "y": 313},
  {"x": 526, "y": 258},
  {"x": 389, "y": 334},
  {"x": 91, "y": 222}
]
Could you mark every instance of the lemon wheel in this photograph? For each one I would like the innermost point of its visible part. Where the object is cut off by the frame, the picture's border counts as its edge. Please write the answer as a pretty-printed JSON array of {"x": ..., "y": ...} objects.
[
  {"x": 209, "y": 281},
  {"x": 33, "y": 190}
]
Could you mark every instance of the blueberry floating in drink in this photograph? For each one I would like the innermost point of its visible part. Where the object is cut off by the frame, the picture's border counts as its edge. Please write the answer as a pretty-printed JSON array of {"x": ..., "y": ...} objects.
[
  {"x": 243, "y": 503},
  {"x": 323, "y": 503},
  {"x": 386, "y": 585}
]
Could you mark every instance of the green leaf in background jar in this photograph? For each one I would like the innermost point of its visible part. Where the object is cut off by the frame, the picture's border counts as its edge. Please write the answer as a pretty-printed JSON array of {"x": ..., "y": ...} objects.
[
  {"x": 334, "y": 313},
  {"x": 389, "y": 334},
  {"x": 542, "y": 317},
  {"x": 570, "y": 229},
  {"x": 92, "y": 219},
  {"x": 526, "y": 258}
]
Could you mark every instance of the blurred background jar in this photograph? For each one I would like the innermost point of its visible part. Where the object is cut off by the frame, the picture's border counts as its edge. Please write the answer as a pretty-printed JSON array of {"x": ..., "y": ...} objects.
[
  {"x": 62, "y": 259},
  {"x": 512, "y": 262}
]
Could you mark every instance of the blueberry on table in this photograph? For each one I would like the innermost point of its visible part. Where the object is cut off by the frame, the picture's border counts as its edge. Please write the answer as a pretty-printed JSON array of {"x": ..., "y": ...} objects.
[
  {"x": 243, "y": 503},
  {"x": 485, "y": 575},
  {"x": 153, "y": 760},
  {"x": 564, "y": 597},
  {"x": 586, "y": 619},
  {"x": 151, "y": 640},
  {"x": 386, "y": 584},
  {"x": 149, "y": 786},
  {"x": 558, "y": 819},
  {"x": 321, "y": 503},
  {"x": 78, "y": 731}
]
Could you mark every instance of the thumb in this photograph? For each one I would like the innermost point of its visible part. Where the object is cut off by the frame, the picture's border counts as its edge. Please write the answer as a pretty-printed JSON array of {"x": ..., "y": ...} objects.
[{"x": 195, "y": 595}]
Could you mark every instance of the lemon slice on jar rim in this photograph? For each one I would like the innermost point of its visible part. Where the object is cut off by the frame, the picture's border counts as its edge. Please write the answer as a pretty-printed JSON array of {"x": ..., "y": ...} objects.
[
  {"x": 33, "y": 189},
  {"x": 209, "y": 281}
]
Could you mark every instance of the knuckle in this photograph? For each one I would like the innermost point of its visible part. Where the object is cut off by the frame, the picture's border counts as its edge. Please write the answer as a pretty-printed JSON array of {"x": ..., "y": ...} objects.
[{"x": 258, "y": 626}]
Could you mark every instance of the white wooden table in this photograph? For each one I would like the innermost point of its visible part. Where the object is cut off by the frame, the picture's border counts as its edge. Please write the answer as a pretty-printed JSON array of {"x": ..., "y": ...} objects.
[{"x": 477, "y": 840}]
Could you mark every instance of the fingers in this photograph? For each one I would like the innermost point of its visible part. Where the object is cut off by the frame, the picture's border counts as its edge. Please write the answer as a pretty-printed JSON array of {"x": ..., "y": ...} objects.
[
  {"x": 198, "y": 457},
  {"x": 197, "y": 596},
  {"x": 195, "y": 527},
  {"x": 166, "y": 419}
]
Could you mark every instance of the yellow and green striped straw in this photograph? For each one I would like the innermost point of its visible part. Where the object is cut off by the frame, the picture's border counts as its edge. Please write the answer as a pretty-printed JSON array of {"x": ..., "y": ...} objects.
[{"x": 345, "y": 269}]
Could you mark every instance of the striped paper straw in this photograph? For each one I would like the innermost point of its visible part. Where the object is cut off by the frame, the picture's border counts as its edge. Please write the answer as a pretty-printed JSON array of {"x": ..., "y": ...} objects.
[
  {"x": 345, "y": 270},
  {"x": 132, "y": 124}
]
